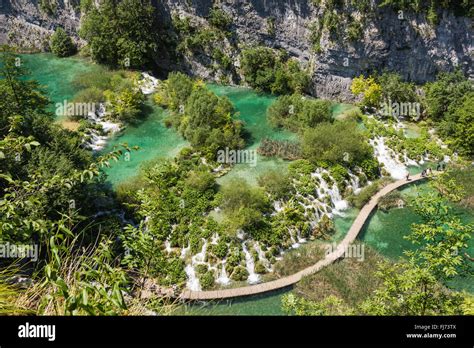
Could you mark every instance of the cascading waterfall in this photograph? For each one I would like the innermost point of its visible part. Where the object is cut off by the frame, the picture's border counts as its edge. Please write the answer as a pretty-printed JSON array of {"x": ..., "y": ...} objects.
[
  {"x": 409, "y": 161},
  {"x": 223, "y": 279},
  {"x": 250, "y": 265},
  {"x": 389, "y": 159},
  {"x": 327, "y": 199},
  {"x": 193, "y": 281},
  {"x": 184, "y": 251},
  {"x": 354, "y": 183},
  {"x": 97, "y": 141},
  {"x": 201, "y": 256},
  {"x": 148, "y": 83},
  {"x": 294, "y": 243},
  {"x": 333, "y": 192},
  {"x": 168, "y": 246}
]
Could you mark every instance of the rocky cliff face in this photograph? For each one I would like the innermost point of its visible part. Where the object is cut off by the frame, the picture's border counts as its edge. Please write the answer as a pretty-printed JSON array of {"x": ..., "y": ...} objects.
[
  {"x": 405, "y": 43},
  {"x": 29, "y": 23}
]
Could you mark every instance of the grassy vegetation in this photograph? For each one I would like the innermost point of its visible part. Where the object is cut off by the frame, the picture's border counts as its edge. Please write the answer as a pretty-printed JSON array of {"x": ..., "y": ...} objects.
[
  {"x": 349, "y": 279},
  {"x": 368, "y": 192},
  {"x": 297, "y": 259}
]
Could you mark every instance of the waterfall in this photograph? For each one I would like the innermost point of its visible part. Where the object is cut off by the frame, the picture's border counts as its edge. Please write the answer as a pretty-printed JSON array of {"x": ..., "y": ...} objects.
[
  {"x": 250, "y": 265},
  {"x": 215, "y": 238},
  {"x": 354, "y": 183},
  {"x": 336, "y": 198},
  {"x": 148, "y": 84},
  {"x": 97, "y": 142},
  {"x": 193, "y": 281},
  {"x": 184, "y": 251},
  {"x": 408, "y": 161},
  {"x": 386, "y": 156},
  {"x": 223, "y": 278},
  {"x": 277, "y": 206},
  {"x": 201, "y": 256},
  {"x": 333, "y": 192},
  {"x": 261, "y": 256}
]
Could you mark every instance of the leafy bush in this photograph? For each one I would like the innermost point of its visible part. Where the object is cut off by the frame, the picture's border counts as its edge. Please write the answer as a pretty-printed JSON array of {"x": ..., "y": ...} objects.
[
  {"x": 239, "y": 274},
  {"x": 297, "y": 113},
  {"x": 61, "y": 43},
  {"x": 121, "y": 33},
  {"x": 340, "y": 142},
  {"x": 219, "y": 19},
  {"x": 264, "y": 70}
]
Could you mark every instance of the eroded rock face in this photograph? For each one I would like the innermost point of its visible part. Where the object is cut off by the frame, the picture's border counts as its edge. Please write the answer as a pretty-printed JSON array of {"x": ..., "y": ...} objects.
[
  {"x": 410, "y": 46},
  {"x": 23, "y": 23}
]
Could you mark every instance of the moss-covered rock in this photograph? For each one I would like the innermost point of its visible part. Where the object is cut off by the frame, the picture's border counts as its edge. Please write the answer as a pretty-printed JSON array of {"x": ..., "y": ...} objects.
[
  {"x": 240, "y": 273},
  {"x": 201, "y": 269},
  {"x": 260, "y": 267},
  {"x": 207, "y": 280}
]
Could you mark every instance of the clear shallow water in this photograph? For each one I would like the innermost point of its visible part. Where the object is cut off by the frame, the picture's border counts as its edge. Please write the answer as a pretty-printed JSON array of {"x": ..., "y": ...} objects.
[
  {"x": 56, "y": 74},
  {"x": 252, "y": 109},
  {"x": 155, "y": 142},
  {"x": 385, "y": 232}
]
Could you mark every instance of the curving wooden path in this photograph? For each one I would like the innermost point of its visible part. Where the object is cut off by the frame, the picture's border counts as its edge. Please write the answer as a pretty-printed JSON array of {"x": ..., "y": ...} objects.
[{"x": 294, "y": 278}]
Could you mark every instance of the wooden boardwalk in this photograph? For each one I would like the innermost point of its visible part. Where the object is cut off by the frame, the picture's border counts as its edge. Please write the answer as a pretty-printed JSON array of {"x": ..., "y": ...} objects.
[{"x": 294, "y": 278}]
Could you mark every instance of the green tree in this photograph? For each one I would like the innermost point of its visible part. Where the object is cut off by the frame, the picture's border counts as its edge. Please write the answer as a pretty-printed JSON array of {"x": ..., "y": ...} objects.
[
  {"x": 298, "y": 113},
  {"x": 458, "y": 126},
  {"x": 370, "y": 90},
  {"x": 340, "y": 142},
  {"x": 409, "y": 289},
  {"x": 245, "y": 206},
  {"x": 441, "y": 238},
  {"x": 446, "y": 93},
  {"x": 62, "y": 44},
  {"x": 121, "y": 33},
  {"x": 265, "y": 70}
]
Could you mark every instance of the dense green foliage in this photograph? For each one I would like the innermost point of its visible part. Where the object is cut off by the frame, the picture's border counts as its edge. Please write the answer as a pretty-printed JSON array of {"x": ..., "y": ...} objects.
[
  {"x": 296, "y": 113},
  {"x": 118, "y": 90},
  {"x": 382, "y": 91},
  {"x": 339, "y": 142},
  {"x": 449, "y": 102},
  {"x": 245, "y": 206},
  {"x": 51, "y": 189},
  {"x": 61, "y": 44},
  {"x": 270, "y": 71},
  {"x": 203, "y": 118},
  {"x": 121, "y": 33},
  {"x": 219, "y": 19}
]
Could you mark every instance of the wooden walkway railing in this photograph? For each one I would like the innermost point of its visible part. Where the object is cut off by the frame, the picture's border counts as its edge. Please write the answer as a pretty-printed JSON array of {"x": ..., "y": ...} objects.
[{"x": 294, "y": 278}]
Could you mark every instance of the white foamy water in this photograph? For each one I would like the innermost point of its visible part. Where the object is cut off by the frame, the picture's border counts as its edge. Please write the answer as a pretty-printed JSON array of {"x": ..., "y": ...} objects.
[
  {"x": 223, "y": 279},
  {"x": 250, "y": 265},
  {"x": 389, "y": 159},
  {"x": 97, "y": 141},
  {"x": 193, "y": 281},
  {"x": 148, "y": 83}
]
